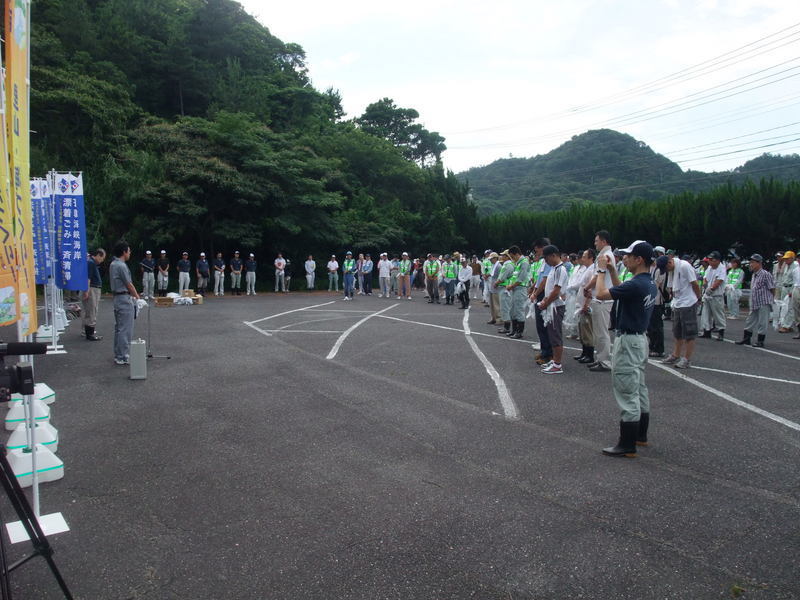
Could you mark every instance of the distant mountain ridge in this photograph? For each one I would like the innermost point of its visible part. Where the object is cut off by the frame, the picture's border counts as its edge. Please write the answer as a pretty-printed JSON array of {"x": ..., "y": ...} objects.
[{"x": 603, "y": 166}]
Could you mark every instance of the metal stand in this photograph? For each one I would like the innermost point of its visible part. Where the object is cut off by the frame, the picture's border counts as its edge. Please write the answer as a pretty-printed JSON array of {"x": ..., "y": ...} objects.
[
  {"x": 41, "y": 547},
  {"x": 149, "y": 337}
]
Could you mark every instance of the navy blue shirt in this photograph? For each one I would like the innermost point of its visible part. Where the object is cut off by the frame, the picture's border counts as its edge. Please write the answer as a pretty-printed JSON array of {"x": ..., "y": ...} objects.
[
  {"x": 148, "y": 265},
  {"x": 202, "y": 267},
  {"x": 236, "y": 264},
  {"x": 218, "y": 262},
  {"x": 250, "y": 265},
  {"x": 635, "y": 299},
  {"x": 184, "y": 265},
  {"x": 95, "y": 279}
]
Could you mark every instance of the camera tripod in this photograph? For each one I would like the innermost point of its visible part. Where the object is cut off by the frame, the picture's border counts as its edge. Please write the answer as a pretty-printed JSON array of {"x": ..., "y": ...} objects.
[{"x": 41, "y": 547}]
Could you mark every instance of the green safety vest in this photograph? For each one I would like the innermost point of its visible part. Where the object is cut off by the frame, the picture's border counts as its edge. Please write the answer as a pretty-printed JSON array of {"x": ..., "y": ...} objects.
[
  {"x": 626, "y": 276},
  {"x": 517, "y": 268},
  {"x": 734, "y": 278},
  {"x": 486, "y": 266},
  {"x": 432, "y": 268},
  {"x": 449, "y": 270},
  {"x": 405, "y": 266},
  {"x": 535, "y": 268},
  {"x": 348, "y": 265},
  {"x": 506, "y": 270}
]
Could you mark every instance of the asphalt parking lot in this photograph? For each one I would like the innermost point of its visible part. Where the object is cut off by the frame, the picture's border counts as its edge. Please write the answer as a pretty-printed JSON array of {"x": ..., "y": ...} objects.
[{"x": 299, "y": 446}]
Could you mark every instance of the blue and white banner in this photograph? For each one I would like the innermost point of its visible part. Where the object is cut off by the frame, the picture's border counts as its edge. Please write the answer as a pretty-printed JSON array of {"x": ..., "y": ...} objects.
[
  {"x": 70, "y": 224},
  {"x": 41, "y": 205}
]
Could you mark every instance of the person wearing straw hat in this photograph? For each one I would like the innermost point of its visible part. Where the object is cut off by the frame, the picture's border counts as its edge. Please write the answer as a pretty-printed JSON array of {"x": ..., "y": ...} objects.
[
  {"x": 790, "y": 269},
  {"x": 148, "y": 268}
]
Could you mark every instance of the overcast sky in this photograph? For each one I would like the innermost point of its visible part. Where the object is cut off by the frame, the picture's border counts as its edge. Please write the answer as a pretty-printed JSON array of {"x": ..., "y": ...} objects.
[{"x": 520, "y": 78}]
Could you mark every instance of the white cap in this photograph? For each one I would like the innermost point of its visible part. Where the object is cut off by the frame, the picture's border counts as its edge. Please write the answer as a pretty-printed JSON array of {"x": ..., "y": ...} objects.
[
  {"x": 163, "y": 252},
  {"x": 148, "y": 252},
  {"x": 202, "y": 254},
  {"x": 405, "y": 253},
  {"x": 660, "y": 249},
  {"x": 629, "y": 249},
  {"x": 252, "y": 255}
]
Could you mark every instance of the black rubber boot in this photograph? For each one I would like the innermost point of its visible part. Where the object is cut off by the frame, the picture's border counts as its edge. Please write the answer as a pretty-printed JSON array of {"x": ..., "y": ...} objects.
[
  {"x": 706, "y": 334},
  {"x": 644, "y": 423},
  {"x": 720, "y": 335},
  {"x": 505, "y": 328},
  {"x": 760, "y": 342},
  {"x": 513, "y": 330},
  {"x": 748, "y": 336},
  {"x": 626, "y": 446},
  {"x": 520, "y": 330},
  {"x": 589, "y": 358},
  {"x": 582, "y": 354},
  {"x": 90, "y": 335}
]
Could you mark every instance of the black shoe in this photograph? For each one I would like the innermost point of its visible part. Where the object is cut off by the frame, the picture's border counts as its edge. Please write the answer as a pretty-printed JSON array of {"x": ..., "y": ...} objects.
[
  {"x": 748, "y": 336},
  {"x": 760, "y": 342},
  {"x": 430, "y": 301},
  {"x": 644, "y": 423},
  {"x": 706, "y": 335},
  {"x": 586, "y": 360},
  {"x": 520, "y": 330},
  {"x": 626, "y": 446},
  {"x": 720, "y": 335},
  {"x": 504, "y": 329},
  {"x": 492, "y": 322},
  {"x": 91, "y": 336},
  {"x": 579, "y": 358},
  {"x": 598, "y": 368}
]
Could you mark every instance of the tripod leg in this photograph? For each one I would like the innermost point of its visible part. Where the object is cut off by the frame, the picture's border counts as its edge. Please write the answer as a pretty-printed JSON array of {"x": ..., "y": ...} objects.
[{"x": 28, "y": 519}]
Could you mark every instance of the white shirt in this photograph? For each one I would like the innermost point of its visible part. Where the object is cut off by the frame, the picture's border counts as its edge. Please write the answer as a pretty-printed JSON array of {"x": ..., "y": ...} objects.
[
  {"x": 280, "y": 263},
  {"x": 606, "y": 251},
  {"x": 465, "y": 274},
  {"x": 680, "y": 280},
  {"x": 311, "y": 266},
  {"x": 333, "y": 265},
  {"x": 384, "y": 268},
  {"x": 712, "y": 275},
  {"x": 575, "y": 279},
  {"x": 795, "y": 274},
  {"x": 558, "y": 276}
]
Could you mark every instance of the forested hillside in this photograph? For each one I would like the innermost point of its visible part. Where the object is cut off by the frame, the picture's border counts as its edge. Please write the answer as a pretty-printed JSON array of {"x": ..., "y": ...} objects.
[
  {"x": 198, "y": 129},
  {"x": 606, "y": 167}
]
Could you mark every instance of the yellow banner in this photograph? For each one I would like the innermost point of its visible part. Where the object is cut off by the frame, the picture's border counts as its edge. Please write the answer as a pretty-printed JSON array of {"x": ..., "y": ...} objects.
[
  {"x": 18, "y": 128},
  {"x": 8, "y": 253}
]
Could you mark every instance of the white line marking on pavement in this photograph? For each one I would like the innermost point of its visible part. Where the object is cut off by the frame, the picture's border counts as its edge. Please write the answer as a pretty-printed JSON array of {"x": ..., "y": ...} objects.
[
  {"x": 298, "y": 331},
  {"x": 506, "y": 401},
  {"x": 343, "y": 337},
  {"x": 767, "y": 350},
  {"x": 491, "y": 335},
  {"x": 728, "y": 397},
  {"x": 746, "y": 375},
  {"x": 261, "y": 331},
  {"x": 330, "y": 310},
  {"x": 287, "y": 312}
]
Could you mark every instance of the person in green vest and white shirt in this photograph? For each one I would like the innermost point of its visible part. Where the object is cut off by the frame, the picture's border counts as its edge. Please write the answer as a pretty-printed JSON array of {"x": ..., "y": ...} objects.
[
  {"x": 404, "y": 277},
  {"x": 733, "y": 287},
  {"x": 503, "y": 277},
  {"x": 431, "y": 269},
  {"x": 518, "y": 286},
  {"x": 486, "y": 272},
  {"x": 349, "y": 273},
  {"x": 449, "y": 274}
]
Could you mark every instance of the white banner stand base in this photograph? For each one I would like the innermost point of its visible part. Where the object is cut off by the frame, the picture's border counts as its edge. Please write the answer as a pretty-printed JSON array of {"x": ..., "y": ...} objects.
[
  {"x": 42, "y": 392},
  {"x": 50, "y": 524},
  {"x": 48, "y": 466},
  {"x": 16, "y": 414},
  {"x": 46, "y": 435},
  {"x": 61, "y": 320}
]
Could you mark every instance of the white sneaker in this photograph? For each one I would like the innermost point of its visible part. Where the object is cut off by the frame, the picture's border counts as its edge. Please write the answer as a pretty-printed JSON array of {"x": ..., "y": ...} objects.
[
  {"x": 398, "y": 297},
  {"x": 683, "y": 364},
  {"x": 380, "y": 295},
  {"x": 547, "y": 365},
  {"x": 409, "y": 298},
  {"x": 553, "y": 369}
]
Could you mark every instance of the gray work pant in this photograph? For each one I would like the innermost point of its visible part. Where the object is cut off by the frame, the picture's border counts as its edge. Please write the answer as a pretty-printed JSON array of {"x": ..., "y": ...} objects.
[
  {"x": 148, "y": 284},
  {"x": 758, "y": 320},
  {"x": 183, "y": 282},
  {"x": 795, "y": 308},
  {"x": 519, "y": 297},
  {"x": 123, "y": 325},
  {"x": 236, "y": 280},
  {"x": 333, "y": 282},
  {"x": 628, "y": 361},
  {"x": 713, "y": 313},
  {"x": 601, "y": 317},
  {"x": 585, "y": 329},
  {"x": 90, "y": 307},
  {"x": 219, "y": 282},
  {"x": 505, "y": 304},
  {"x": 733, "y": 296},
  {"x": 280, "y": 280},
  {"x": 250, "y": 279},
  {"x": 385, "y": 283},
  {"x": 163, "y": 281}
]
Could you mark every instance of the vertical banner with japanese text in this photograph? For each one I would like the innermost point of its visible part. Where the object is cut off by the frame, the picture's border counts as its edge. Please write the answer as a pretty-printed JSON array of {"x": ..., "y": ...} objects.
[
  {"x": 18, "y": 130},
  {"x": 41, "y": 204},
  {"x": 9, "y": 289},
  {"x": 70, "y": 224}
]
